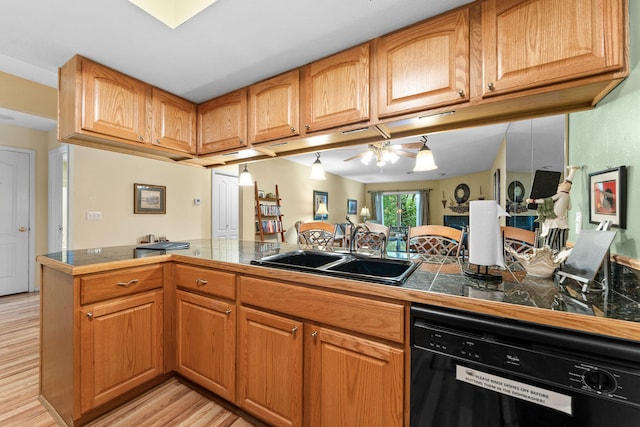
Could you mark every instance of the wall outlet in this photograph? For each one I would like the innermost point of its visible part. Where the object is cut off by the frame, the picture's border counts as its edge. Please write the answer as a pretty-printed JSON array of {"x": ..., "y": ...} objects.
[{"x": 94, "y": 216}]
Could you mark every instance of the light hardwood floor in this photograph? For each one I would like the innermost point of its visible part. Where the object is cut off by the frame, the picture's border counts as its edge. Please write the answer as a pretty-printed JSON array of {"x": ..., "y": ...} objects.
[{"x": 170, "y": 404}]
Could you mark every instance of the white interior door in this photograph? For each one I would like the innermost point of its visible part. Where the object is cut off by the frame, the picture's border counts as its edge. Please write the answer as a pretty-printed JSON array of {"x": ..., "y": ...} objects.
[
  {"x": 15, "y": 220},
  {"x": 224, "y": 207}
]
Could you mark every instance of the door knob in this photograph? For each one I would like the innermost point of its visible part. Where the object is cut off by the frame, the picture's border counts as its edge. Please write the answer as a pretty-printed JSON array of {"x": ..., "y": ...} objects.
[{"x": 22, "y": 229}]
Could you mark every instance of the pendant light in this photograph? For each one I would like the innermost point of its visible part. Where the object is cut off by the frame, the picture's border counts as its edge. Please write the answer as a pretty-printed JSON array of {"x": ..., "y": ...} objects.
[
  {"x": 424, "y": 158},
  {"x": 317, "y": 169},
  {"x": 245, "y": 179}
]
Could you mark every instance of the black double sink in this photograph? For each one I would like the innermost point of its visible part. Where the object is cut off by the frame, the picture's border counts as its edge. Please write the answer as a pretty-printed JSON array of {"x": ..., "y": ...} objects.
[{"x": 345, "y": 265}]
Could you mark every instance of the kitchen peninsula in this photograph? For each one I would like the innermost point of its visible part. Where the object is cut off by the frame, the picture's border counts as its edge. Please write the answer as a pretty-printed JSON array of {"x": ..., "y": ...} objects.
[{"x": 116, "y": 321}]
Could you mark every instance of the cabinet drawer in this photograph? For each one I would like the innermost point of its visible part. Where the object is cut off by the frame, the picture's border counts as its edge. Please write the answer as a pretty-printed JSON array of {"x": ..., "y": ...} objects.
[
  {"x": 98, "y": 287},
  {"x": 207, "y": 281},
  {"x": 371, "y": 317}
]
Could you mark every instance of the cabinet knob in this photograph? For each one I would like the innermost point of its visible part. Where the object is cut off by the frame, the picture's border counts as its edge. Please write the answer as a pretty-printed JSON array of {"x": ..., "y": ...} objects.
[
  {"x": 461, "y": 93},
  {"x": 491, "y": 86},
  {"x": 158, "y": 140},
  {"x": 127, "y": 284},
  {"x": 141, "y": 138},
  {"x": 201, "y": 282},
  {"x": 294, "y": 329},
  {"x": 90, "y": 315},
  {"x": 307, "y": 126},
  {"x": 314, "y": 334},
  {"x": 293, "y": 130},
  {"x": 227, "y": 312}
]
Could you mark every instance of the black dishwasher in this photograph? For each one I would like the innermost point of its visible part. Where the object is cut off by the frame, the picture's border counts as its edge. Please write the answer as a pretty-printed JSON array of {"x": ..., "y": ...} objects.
[{"x": 471, "y": 370}]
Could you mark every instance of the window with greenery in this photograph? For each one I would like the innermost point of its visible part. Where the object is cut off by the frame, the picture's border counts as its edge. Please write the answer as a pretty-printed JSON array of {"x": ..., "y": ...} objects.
[{"x": 400, "y": 209}]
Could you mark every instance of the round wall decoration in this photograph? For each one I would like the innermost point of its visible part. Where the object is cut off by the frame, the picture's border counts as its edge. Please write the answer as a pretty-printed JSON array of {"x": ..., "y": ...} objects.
[
  {"x": 462, "y": 193},
  {"x": 515, "y": 192}
]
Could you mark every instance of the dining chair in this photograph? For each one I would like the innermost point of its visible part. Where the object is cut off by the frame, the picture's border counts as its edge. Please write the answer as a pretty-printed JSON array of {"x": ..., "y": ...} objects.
[
  {"x": 316, "y": 234},
  {"x": 519, "y": 240},
  {"x": 372, "y": 239},
  {"x": 435, "y": 243}
]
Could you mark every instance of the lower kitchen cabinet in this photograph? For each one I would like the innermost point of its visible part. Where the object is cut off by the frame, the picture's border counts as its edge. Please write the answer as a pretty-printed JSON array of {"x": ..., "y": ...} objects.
[
  {"x": 351, "y": 381},
  {"x": 206, "y": 342},
  {"x": 121, "y": 346},
  {"x": 270, "y": 359},
  {"x": 353, "y": 373}
]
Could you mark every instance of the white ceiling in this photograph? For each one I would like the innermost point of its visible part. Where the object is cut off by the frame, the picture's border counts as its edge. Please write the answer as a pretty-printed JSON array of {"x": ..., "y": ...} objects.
[{"x": 230, "y": 44}]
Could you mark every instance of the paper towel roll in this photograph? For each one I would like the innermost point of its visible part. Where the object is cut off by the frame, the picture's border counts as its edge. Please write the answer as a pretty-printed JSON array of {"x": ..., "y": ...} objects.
[{"x": 485, "y": 241}]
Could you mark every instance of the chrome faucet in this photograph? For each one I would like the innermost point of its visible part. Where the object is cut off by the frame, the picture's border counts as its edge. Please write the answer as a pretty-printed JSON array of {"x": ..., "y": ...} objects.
[{"x": 354, "y": 231}]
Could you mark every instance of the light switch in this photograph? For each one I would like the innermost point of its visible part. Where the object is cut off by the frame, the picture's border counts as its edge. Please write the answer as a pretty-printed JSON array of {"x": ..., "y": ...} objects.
[{"x": 94, "y": 216}]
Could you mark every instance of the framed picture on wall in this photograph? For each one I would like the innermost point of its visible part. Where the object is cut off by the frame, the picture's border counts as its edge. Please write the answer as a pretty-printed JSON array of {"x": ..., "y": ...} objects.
[
  {"x": 149, "y": 199},
  {"x": 608, "y": 196},
  {"x": 320, "y": 205},
  {"x": 352, "y": 206}
]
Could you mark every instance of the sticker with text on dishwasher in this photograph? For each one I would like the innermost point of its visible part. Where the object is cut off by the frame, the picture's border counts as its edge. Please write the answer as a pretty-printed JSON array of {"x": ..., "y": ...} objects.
[{"x": 530, "y": 393}]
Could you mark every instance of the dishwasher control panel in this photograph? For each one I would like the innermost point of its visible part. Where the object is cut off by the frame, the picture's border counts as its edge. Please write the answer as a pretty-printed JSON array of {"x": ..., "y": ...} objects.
[{"x": 540, "y": 363}]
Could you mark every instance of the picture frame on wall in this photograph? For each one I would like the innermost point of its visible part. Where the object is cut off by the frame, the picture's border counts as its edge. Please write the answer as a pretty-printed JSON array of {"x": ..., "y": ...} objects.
[
  {"x": 608, "y": 196},
  {"x": 352, "y": 206},
  {"x": 319, "y": 198},
  {"x": 149, "y": 199}
]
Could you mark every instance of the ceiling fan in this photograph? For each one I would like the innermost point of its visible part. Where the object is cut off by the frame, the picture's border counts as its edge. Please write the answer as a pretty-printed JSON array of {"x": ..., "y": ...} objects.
[{"x": 384, "y": 152}]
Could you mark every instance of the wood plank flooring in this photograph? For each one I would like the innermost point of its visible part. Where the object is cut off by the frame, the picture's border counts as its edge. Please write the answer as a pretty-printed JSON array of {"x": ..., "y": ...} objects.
[{"x": 170, "y": 404}]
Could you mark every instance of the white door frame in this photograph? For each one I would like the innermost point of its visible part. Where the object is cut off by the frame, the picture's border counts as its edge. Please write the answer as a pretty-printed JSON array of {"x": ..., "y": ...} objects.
[
  {"x": 32, "y": 212},
  {"x": 54, "y": 241}
]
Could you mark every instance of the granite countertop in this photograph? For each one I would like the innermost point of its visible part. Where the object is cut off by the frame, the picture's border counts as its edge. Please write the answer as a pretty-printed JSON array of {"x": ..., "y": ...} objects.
[{"x": 620, "y": 302}]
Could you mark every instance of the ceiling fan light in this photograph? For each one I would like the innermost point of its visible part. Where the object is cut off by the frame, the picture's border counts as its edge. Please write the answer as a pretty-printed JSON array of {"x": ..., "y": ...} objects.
[
  {"x": 393, "y": 157},
  {"x": 367, "y": 157},
  {"x": 245, "y": 179},
  {"x": 317, "y": 169},
  {"x": 424, "y": 160}
]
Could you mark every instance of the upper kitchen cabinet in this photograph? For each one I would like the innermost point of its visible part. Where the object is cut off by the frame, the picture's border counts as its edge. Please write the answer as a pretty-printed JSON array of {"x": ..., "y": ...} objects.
[
  {"x": 532, "y": 43},
  {"x": 174, "y": 122},
  {"x": 99, "y": 101},
  {"x": 274, "y": 108},
  {"x": 336, "y": 89},
  {"x": 222, "y": 123},
  {"x": 101, "y": 107},
  {"x": 424, "y": 66}
]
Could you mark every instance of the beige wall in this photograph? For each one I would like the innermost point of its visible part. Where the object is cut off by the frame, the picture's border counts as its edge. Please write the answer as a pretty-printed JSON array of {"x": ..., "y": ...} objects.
[
  {"x": 296, "y": 191},
  {"x": 103, "y": 181}
]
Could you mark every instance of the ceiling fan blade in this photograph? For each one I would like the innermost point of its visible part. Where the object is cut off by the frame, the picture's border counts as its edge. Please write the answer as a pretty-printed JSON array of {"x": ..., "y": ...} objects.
[
  {"x": 405, "y": 154},
  {"x": 410, "y": 146},
  {"x": 355, "y": 157}
]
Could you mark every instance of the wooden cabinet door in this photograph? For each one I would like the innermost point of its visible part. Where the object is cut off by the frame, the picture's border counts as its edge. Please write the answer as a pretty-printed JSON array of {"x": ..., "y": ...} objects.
[
  {"x": 531, "y": 43},
  {"x": 274, "y": 107},
  {"x": 174, "y": 122},
  {"x": 114, "y": 104},
  {"x": 206, "y": 342},
  {"x": 336, "y": 89},
  {"x": 270, "y": 367},
  {"x": 352, "y": 381},
  {"x": 120, "y": 346},
  {"x": 424, "y": 66},
  {"x": 222, "y": 123}
]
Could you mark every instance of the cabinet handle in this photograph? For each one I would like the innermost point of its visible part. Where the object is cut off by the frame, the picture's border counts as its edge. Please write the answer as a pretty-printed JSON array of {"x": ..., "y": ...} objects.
[
  {"x": 141, "y": 138},
  {"x": 461, "y": 93},
  {"x": 201, "y": 282},
  {"x": 127, "y": 284},
  {"x": 293, "y": 130},
  {"x": 307, "y": 126},
  {"x": 158, "y": 140},
  {"x": 227, "y": 312},
  {"x": 294, "y": 329},
  {"x": 491, "y": 86},
  {"x": 314, "y": 334},
  {"x": 90, "y": 315}
]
